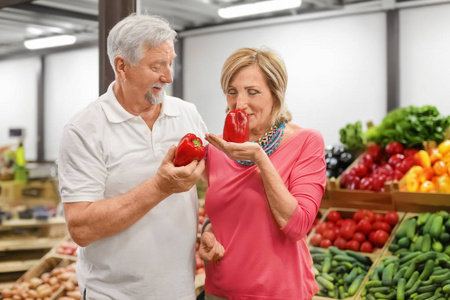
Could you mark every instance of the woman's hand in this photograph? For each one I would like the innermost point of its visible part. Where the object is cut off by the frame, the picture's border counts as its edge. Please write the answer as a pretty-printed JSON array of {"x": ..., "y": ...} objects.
[
  {"x": 242, "y": 151},
  {"x": 210, "y": 249}
]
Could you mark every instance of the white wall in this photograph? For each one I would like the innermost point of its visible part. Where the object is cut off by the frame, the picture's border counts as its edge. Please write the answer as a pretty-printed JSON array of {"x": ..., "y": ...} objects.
[
  {"x": 425, "y": 57},
  {"x": 71, "y": 82},
  {"x": 336, "y": 67},
  {"x": 18, "y": 102}
]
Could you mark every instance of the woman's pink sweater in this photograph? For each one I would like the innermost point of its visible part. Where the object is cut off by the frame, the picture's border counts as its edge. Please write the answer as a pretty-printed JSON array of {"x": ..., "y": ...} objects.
[{"x": 262, "y": 260}]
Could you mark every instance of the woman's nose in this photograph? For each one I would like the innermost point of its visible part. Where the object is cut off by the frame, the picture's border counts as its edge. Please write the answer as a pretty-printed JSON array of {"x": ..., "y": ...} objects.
[{"x": 241, "y": 102}]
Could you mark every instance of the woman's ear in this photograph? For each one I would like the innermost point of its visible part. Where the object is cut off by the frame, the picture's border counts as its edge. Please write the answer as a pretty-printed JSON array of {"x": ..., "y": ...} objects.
[{"x": 120, "y": 66}]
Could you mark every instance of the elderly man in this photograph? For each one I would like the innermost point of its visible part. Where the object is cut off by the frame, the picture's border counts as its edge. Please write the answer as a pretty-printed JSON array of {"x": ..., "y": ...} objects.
[{"x": 133, "y": 213}]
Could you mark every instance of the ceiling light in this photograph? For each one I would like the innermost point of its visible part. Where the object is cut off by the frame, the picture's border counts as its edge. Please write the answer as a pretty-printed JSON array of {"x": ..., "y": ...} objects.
[
  {"x": 51, "y": 41},
  {"x": 257, "y": 8}
]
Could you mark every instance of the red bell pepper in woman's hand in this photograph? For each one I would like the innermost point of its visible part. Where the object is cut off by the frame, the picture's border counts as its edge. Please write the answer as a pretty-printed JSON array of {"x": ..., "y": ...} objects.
[
  {"x": 189, "y": 148},
  {"x": 236, "y": 127}
]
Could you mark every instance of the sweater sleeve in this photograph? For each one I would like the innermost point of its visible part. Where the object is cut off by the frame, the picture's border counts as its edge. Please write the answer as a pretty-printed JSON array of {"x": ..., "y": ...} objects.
[{"x": 307, "y": 184}]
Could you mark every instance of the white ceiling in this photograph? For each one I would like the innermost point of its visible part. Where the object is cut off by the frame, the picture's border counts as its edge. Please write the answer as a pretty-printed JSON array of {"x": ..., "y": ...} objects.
[{"x": 21, "y": 19}]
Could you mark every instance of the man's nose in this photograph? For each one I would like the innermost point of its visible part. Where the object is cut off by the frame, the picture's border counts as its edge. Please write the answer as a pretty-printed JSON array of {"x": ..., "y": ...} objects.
[{"x": 167, "y": 75}]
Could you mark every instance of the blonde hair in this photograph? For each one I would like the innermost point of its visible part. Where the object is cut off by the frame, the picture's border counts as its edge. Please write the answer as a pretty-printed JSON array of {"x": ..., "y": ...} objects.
[{"x": 275, "y": 74}]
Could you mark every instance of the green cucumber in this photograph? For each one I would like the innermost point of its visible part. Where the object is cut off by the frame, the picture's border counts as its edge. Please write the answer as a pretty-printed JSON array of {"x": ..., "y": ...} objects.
[
  {"x": 401, "y": 289},
  {"x": 384, "y": 296},
  {"x": 355, "y": 285},
  {"x": 388, "y": 274},
  {"x": 374, "y": 283},
  {"x": 436, "y": 227},
  {"x": 361, "y": 258},
  {"x": 429, "y": 266},
  {"x": 424, "y": 296},
  {"x": 327, "y": 264},
  {"x": 440, "y": 278},
  {"x": 412, "y": 280},
  {"x": 414, "y": 288},
  {"x": 425, "y": 256},
  {"x": 427, "y": 227},
  {"x": 325, "y": 283},
  {"x": 418, "y": 243},
  {"x": 399, "y": 274},
  {"x": 351, "y": 276},
  {"x": 410, "y": 270},
  {"x": 411, "y": 230},
  {"x": 401, "y": 232},
  {"x": 427, "y": 288},
  {"x": 426, "y": 245},
  {"x": 422, "y": 218}
]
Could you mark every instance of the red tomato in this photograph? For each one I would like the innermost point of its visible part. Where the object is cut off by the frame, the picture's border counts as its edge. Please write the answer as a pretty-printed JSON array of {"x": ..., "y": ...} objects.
[
  {"x": 316, "y": 239},
  {"x": 393, "y": 148},
  {"x": 350, "y": 222},
  {"x": 333, "y": 216},
  {"x": 321, "y": 228},
  {"x": 374, "y": 151},
  {"x": 378, "y": 181},
  {"x": 371, "y": 237},
  {"x": 398, "y": 174},
  {"x": 406, "y": 164},
  {"x": 358, "y": 215},
  {"x": 325, "y": 243},
  {"x": 395, "y": 159},
  {"x": 380, "y": 238},
  {"x": 391, "y": 217},
  {"x": 353, "y": 182},
  {"x": 367, "y": 161},
  {"x": 339, "y": 223},
  {"x": 366, "y": 184},
  {"x": 378, "y": 217},
  {"x": 330, "y": 225},
  {"x": 381, "y": 225},
  {"x": 366, "y": 247},
  {"x": 409, "y": 152},
  {"x": 360, "y": 170},
  {"x": 340, "y": 243},
  {"x": 364, "y": 226},
  {"x": 358, "y": 236},
  {"x": 330, "y": 234},
  {"x": 353, "y": 245},
  {"x": 347, "y": 231}
]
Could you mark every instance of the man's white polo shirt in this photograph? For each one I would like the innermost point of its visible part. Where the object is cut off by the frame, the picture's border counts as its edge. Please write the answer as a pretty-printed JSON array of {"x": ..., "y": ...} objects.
[{"x": 106, "y": 151}]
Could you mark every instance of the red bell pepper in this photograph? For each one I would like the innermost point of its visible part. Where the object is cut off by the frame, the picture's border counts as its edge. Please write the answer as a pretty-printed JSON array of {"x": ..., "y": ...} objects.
[
  {"x": 236, "y": 127},
  {"x": 189, "y": 148}
]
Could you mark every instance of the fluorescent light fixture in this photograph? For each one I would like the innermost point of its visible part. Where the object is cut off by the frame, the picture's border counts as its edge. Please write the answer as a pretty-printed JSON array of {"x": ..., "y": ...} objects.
[
  {"x": 51, "y": 41},
  {"x": 257, "y": 8}
]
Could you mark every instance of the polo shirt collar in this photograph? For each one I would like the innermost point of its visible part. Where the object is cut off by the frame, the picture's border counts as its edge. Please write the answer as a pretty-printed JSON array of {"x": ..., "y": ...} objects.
[{"x": 117, "y": 114}]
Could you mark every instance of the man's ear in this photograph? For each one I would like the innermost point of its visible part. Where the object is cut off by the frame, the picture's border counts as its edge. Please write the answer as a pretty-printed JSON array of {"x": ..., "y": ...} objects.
[{"x": 120, "y": 65}]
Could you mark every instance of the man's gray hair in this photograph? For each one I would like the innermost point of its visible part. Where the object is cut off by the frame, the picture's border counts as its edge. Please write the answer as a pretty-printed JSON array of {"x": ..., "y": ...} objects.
[{"x": 136, "y": 33}]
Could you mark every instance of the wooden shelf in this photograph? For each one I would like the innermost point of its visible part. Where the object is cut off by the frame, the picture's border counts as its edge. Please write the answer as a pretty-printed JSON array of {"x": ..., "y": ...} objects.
[
  {"x": 17, "y": 265},
  {"x": 27, "y": 243},
  {"x": 14, "y": 223}
]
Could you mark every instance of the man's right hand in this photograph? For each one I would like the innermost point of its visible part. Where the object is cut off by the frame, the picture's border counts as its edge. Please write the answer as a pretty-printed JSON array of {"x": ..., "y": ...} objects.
[{"x": 171, "y": 179}]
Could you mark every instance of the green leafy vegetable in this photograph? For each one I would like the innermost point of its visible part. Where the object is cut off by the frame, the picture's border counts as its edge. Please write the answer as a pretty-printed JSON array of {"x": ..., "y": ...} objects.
[
  {"x": 410, "y": 126},
  {"x": 351, "y": 136}
]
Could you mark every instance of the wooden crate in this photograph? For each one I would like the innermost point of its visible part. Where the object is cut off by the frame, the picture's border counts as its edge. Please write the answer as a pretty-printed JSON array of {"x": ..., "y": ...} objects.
[
  {"x": 360, "y": 199},
  {"x": 407, "y": 216},
  {"x": 421, "y": 202},
  {"x": 347, "y": 213}
]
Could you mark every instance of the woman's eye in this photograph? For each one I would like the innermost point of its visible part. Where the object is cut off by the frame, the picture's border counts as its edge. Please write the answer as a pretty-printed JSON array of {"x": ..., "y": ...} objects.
[
  {"x": 231, "y": 92},
  {"x": 253, "y": 92}
]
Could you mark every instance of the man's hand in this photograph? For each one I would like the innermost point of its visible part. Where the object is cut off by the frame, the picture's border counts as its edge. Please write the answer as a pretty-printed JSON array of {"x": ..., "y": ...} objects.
[
  {"x": 171, "y": 179},
  {"x": 210, "y": 249}
]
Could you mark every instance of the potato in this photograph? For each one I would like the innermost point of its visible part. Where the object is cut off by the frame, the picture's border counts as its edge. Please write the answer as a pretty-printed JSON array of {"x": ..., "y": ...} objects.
[
  {"x": 74, "y": 294},
  {"x": 45, "y": 277},
  {"x": 57, "y": 271},
  {"x": 53, "y": 280},
  {"x": 65, "y": 276},
  {"x": 69, "y": 286},
  {"x": 32, "y": 294},
  {"x": 45, "y": 292},
  {"x": 35, "y": 282},
  {"x": 7, "y": 293},
  {"x": 42, "y": 287}
]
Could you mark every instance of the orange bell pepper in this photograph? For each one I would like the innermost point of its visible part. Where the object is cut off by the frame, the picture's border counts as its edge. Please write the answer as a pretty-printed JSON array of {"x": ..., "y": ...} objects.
[
  {"x": 443, "y": 184},
  {"x": 412, "y": 182},
  {"x": 444, "y": 147},
  {"x": 427, "y": 187},
  {"x": 426, "y": 174},
  {"x": 435, "y": 155},
  {"x": 439, "y": 168},
  {"x": 422, "y": 158}
]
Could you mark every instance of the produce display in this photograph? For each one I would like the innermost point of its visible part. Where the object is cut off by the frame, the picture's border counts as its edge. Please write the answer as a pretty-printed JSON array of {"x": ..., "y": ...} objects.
[
  {"x": 364, "y": 231},
  {"x": 420, "y": 266},
  {"x": 236, "y": 128},
  {"x": 189, "y": 148},
  {"x": 50, "y": 284},
  {"x": 379, "y": 165},
  {"x": 339, "y": 274},
  {"x": 432, "y": 172},
  {"x": 338, "y": 159}
]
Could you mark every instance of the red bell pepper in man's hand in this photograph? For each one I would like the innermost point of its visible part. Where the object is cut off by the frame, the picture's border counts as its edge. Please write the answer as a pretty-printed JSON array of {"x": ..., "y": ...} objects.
[
  {"x": 189, "y": 148},
  {"x": 236, "y": 127}
]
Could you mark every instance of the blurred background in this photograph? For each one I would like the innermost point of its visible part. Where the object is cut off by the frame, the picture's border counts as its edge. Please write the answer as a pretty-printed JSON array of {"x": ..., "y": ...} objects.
[{"x": 347, "y": 60}]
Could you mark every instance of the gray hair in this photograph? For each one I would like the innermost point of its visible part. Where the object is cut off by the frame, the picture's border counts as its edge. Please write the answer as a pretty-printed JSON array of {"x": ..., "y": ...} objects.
[{"x": 129, "y": 37}]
